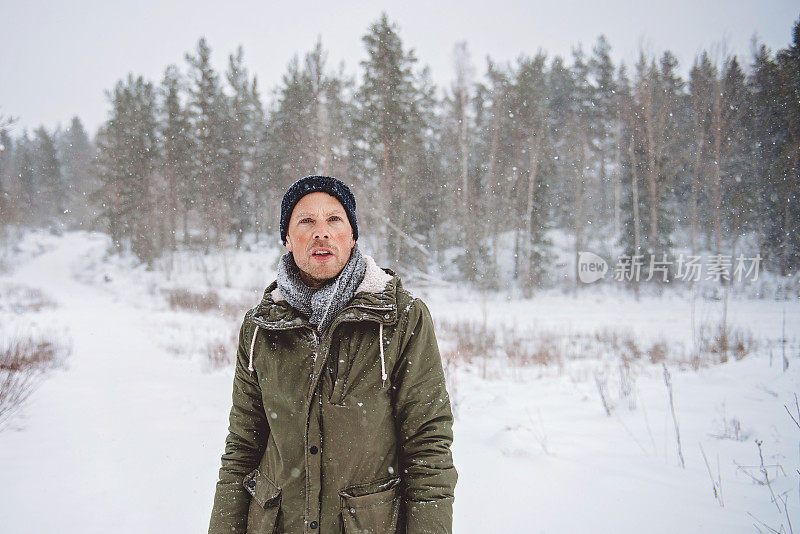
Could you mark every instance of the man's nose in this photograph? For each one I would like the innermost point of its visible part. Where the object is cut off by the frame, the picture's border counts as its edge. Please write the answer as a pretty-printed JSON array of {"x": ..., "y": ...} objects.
[{"x": 321, "y": 231}]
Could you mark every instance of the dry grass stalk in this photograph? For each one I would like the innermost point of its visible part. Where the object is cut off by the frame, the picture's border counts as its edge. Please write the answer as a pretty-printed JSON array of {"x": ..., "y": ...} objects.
[
  {"x": 769, "y": 528},
  {"x": 218, "y": 354},
  {"x": 21, "y": 299},
  {"x": 716, "y": 482},
  {"x": 796, "y": 420},
  {"x": 719, "y": 342},
  {"x": 538, "y": 431},
  {"x": 186, "y": 299},
  {"x": 600, "y": 381},
  {"x": 668, "y": 383},
  {"x": 451, "y": 376},
  {"x": 22, "y": 364},
  {"x": 221, "y": 353},
  {"x": 764, "y": 472},
  {"x": 627, "y": 384},
  {"x": 658, "y": 352},
  {"x": 490, "y": 346}
]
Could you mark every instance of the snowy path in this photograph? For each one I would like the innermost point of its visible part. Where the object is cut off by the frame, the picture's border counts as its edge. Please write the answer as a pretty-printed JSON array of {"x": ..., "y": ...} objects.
[{"x": 117, "y": 440}]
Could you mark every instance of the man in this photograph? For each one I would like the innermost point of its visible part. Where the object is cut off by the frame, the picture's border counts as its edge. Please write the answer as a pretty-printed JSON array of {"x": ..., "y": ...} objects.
[{"x": 341, "y": 421}]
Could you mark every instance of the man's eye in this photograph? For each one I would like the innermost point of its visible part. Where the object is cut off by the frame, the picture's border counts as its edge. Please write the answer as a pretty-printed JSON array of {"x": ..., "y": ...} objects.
[
  {"x": 306, "y": 220},
  {"x": 335, "y": 218}
]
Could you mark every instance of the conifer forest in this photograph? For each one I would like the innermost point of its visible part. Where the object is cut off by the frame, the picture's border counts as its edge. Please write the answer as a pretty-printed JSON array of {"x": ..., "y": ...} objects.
[{"x": 637, "y": 158}]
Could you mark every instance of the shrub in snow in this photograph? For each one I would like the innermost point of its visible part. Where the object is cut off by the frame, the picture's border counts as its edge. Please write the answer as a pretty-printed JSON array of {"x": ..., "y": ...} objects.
[{"x": 23, "y": 361}]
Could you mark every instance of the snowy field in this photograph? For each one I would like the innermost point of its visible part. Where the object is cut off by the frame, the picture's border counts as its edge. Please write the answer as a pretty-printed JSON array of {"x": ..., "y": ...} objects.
[{"x": 126, "y": 434}]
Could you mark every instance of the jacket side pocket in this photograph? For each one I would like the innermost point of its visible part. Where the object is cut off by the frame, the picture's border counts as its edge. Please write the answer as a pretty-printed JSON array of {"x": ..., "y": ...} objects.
[
  {"x": 262, "y": 517},
  {"x": 371, "y": 508}
]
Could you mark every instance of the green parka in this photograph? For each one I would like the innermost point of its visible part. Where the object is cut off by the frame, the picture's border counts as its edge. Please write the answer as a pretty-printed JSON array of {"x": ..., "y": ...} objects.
[{"x": 344, "y": 432}]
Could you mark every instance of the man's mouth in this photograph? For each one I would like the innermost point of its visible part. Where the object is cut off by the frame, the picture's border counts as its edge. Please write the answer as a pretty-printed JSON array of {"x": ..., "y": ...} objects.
[{"x": 322, "y": 253}]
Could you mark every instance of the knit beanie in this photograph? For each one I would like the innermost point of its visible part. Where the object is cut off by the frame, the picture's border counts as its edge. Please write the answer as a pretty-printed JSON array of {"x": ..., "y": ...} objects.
[{"x": 311, "y": 184}]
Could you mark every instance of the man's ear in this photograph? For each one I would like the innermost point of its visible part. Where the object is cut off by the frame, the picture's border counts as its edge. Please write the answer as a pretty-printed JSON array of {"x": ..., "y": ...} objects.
[{"x": 289, "y": 245}]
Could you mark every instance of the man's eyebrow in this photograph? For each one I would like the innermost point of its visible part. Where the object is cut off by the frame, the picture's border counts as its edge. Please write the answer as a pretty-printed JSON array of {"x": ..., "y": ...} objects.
[{"x": 328, "y": 214}]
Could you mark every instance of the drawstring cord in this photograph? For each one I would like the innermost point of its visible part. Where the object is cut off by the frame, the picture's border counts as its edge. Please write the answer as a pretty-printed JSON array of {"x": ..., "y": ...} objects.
[
  {"x": 252, "y": 344},
  {"x": 383, "y": 362}
]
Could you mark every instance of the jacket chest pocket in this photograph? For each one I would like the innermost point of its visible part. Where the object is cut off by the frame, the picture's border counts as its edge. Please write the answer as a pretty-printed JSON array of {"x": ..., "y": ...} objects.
[
  {"x": 371, "y": 508},
  {"x": 265, "y": 505},
  {"x": 355, "y": 361}
]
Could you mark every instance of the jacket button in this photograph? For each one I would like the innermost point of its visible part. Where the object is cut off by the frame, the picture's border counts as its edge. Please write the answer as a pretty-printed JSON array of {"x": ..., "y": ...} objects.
[
  {"x": 313, "y": 524},
  {"x": 314, "y": 449},
  {"x": 251, "y": 483}
]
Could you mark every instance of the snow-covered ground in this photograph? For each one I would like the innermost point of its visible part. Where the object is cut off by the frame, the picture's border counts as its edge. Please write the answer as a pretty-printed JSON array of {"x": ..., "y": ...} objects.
[{"x": 127, "y": 433}]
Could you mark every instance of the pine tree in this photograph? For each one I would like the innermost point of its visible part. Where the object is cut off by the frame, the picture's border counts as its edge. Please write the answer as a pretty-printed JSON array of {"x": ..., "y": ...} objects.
[
  {"x": 702, "y": 79},
  {"x": 262, "y": 180},
  {"x": 461, "y": 201},
  {"x": 208, "y": 110},
  {"x": 422, "y": 172},
  {"x": 738, "y": 204},
  {"x": 603, "y": 117},
  {"x": 292, "y": 127},
  {"x": 495, "y": 151},
  {"x": 75, "y": 151},
  {"x": 623, "y": 140},
  {"x": 653, "y": 156},
  {"x": 51, "y": 197},
  {"x": 461, "y": 108},
  {"x": 242, "y": 130},
  {"x": 769, "y": 128},
  {"x": 6, "y": 161},
  {"x": 338, "y": 112},
  {"x": 24, "y": 169},
  {"x": 126, "y": 160},
  {"x": 387, "y": 109},
  {"x": 531, "y": 112},
  {"x": 176, "y": 154},
  {"x": 580, "y": 134},
  {"x": 787, "y": 184},
  {"x": 310, "y": 125},
  {"x": 562, "y": 112}
]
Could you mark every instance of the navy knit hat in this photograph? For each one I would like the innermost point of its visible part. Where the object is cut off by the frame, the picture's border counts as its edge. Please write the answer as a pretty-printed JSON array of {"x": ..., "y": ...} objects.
[{"x": 311, "y": 184}]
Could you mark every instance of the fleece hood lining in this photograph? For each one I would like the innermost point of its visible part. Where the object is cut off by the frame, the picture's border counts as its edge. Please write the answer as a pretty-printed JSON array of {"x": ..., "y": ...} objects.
[{"x": 375, "y": 280}]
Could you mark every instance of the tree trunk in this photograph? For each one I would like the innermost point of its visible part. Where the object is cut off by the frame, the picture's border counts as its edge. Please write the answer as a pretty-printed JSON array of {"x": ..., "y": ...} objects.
[
  {"x": 535, "y": 152},
  {"x": 387, "y": 197},
  {"x": 493, "y": 176},
  {"x": 698, "y": 159},
  {"x": 579, "y": 201},
  {"x": 618, "y": 182},
  {"x": 324, "y": 128},
  {"x": 635, "y": 194}
]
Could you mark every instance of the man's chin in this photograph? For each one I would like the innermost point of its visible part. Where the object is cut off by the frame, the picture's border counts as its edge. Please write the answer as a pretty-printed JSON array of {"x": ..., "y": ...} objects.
[{"x": 317, "y": 279}]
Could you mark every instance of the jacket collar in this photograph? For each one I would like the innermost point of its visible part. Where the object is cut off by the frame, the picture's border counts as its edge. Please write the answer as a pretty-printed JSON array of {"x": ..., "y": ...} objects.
[{"x": 375, "y": 300}]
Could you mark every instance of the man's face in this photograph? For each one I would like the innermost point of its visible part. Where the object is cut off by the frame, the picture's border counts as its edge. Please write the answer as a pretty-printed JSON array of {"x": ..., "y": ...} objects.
[{"x": 319, "y": 237}]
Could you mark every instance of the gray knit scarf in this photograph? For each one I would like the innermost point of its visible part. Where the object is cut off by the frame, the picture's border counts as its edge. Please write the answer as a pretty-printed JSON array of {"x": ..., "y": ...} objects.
[{"x": 323, "y": 304}]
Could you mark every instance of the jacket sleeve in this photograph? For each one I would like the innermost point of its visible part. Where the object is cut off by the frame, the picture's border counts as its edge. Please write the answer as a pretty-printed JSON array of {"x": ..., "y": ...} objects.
[
  {"x": 244, "y": 446},
  {"x": 425, "y": 425}
]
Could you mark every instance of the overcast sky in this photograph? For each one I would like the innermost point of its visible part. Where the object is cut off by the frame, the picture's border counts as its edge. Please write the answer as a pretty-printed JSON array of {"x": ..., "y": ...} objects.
[{"x": 58, "y": 58}]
